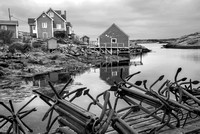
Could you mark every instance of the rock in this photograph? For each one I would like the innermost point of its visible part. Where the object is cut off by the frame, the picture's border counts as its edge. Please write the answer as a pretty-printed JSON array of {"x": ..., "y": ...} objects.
[
  {"x": 1, "y": 73},
  {"x": 191, "y": 41},
  {"x": 4, "y": 64}
]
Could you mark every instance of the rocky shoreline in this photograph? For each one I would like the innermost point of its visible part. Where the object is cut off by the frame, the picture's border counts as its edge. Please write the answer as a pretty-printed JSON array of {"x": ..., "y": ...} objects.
[
  {"x": 14, "y": 69},
  {"x": 191, "y": 41}
]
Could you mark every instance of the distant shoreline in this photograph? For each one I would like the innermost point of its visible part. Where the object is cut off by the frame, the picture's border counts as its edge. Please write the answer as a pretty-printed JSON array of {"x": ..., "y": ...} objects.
[{"x": 182, "y": 46}]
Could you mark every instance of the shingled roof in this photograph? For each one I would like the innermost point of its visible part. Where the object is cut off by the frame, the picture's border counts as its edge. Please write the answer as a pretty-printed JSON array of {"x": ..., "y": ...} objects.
[
  {"x": 31, "y": 21},
  {"x": 8, "y": 22}
]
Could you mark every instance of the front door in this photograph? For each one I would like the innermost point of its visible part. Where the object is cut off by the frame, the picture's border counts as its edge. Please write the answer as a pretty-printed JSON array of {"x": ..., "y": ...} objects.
[{"x": 45, "y": 35}]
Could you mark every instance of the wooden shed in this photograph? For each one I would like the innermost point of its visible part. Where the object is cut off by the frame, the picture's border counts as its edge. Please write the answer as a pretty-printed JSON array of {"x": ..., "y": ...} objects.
[
  {"x": 52, "y": 43},
  {"x": 114, "y": 40},
  {"x": 85, "y": 40}
]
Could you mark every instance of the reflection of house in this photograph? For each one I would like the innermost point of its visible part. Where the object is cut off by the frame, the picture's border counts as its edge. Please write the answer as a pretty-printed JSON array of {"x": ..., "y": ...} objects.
[
  {"x": 55, "y": 77},
  {"x": 48, "y": 22},
  {"x": 110, "y": 72},
  {"x": 113, "y": 40},
  {"x": 9, "y": 25}
]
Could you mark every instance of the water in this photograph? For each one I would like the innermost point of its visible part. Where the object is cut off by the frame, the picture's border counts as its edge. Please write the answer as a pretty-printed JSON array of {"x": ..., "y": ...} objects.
[{"x": 152, "y": 65}]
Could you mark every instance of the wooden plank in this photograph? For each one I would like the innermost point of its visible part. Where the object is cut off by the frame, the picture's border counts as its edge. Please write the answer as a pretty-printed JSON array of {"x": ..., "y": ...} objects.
[
  {"x": 143, "y": 125},
  {"x": 173, "y": 121}
]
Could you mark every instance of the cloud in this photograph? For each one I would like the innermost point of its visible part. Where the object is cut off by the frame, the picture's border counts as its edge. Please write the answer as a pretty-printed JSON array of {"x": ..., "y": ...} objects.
[{"x": 138, "y": 18}]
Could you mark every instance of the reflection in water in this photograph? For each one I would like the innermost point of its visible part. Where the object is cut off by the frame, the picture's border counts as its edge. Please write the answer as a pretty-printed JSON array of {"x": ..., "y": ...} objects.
[
  {"x": 110, "y": 72},
  {"x": 54, "y": 77},
  {"x": 194, "y": 57}
]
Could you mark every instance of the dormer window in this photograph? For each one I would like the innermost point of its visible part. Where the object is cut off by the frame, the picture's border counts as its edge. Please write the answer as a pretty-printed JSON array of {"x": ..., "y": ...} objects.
[
  {"x": 51, "y": 14},
  {"x": 114, "y": 40}
]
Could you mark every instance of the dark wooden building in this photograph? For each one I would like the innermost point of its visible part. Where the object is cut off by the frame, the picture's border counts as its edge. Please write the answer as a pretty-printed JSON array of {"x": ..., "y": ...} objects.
[
  {"x": 9, "y": 25},
  {"x": 114, "y": 40}
]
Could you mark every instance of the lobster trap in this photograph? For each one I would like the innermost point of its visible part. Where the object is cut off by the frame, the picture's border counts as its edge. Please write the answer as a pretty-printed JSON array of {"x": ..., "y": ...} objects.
[{"x": 171, "y": 108}]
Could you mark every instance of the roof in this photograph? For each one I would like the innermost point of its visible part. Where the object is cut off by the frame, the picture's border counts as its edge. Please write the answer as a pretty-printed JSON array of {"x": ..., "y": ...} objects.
[
  {"x": 58, "y": 11},
  {"x": 63, "y": 16},
  {"x": 51, "y": 38},
  {"x": 8, "y": 22},
  {"x": 56, "y": 14},
  {"x": 31, "y": 20},
  {"x": 69, "y": 24},
  {"x": 85, "y": 36},
  {"x": 114, "y": 25},
  {"x": 45, "y": 14}
]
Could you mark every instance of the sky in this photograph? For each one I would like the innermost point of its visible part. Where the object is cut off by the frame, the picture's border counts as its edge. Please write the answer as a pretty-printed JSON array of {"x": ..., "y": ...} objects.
[{"x": 140, "y": 19}]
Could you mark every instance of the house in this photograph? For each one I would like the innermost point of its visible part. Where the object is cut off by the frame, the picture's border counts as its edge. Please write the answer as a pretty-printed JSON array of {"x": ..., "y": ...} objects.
[
  {"x": 31, "y": 22},
  {"x": 52, "y": 44},
  {"x": 113, "y": 40},
  {"x": 47, "y": 23},
  {"x": 85, "y": 39},
  {"x": 10, "y": 25}
]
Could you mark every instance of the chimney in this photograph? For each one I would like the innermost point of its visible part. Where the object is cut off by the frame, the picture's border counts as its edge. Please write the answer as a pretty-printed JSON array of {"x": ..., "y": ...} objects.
[{"x": 65, "y": 13}]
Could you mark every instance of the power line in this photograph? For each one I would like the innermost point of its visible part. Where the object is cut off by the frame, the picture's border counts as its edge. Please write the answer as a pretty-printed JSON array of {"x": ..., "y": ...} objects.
[
  {"x": 19, "y": 19},
  {"x": 10, "y": 16}
]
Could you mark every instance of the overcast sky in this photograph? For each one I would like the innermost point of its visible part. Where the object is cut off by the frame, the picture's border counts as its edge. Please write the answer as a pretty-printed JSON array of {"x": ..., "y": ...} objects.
[{"x": 140, "y": 19}]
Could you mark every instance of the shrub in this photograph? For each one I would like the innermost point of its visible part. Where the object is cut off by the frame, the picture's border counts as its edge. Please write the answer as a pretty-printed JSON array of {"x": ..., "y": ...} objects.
[
  {"x": 15, "y": 46},
  {"x": 6, "y": 36},
  {"x": 26, "y": 48},
  {"x": 36, "y": 44},
  {"x": 44, "y": 48},
  {"x": 23, "y": 48},
  {"x": 60, "y": 34},
  {"x": 26, "y": 39}
]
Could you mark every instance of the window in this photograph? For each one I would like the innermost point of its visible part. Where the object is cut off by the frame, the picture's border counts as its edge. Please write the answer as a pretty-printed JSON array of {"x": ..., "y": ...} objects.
[
  {"x": 114, "y": 73},
  {"x": 51, "y": 14},
  {"x": 4, "y": 27},
  {"x": 58, "y": 26},
  {"x": 114, "y": 40},
  {"x": 44, "y": 25},
  {"x": 33, "y": 27}
]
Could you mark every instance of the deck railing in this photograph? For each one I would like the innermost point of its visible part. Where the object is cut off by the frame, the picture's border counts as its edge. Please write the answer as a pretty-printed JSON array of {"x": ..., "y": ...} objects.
[
  {"x": 112, "y": 45},
  {"x": 109, "y": 45}
]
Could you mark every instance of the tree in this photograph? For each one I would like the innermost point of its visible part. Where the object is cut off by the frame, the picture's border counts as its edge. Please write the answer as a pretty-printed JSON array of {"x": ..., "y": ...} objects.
[{"x": 6, "y": 36}]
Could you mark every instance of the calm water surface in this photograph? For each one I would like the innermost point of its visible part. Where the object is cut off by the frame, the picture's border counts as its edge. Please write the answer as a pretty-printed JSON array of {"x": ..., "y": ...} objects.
[{"x": 152, "y": 65}]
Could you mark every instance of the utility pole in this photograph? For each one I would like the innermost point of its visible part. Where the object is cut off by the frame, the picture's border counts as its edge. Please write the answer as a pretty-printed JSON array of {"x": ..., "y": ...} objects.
[{"x": 9, "y": 14}]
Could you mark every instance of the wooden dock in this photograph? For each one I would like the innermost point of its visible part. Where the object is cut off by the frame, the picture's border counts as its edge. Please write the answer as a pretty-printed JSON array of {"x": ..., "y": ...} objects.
[
  {"x": 113, "y": 49},
  {"x": 143, "y": 125}
]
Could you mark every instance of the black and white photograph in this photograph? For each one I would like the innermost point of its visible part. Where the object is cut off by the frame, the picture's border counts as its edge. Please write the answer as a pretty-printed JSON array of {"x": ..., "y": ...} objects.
[{"x": 99, "y": 67}]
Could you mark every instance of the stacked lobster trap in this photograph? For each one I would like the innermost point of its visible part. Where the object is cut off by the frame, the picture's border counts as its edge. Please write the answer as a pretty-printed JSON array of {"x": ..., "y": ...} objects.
[{"x": 171, "y": 108}]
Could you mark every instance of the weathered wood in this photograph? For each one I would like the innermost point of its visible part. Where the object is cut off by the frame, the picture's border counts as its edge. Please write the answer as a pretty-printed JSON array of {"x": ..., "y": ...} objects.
[{"x": 144, "y": 125}]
